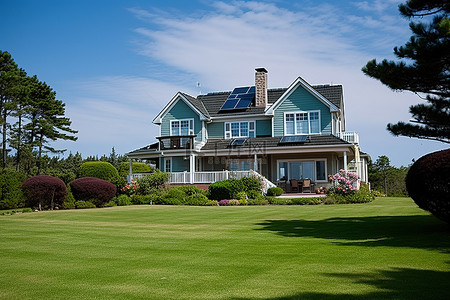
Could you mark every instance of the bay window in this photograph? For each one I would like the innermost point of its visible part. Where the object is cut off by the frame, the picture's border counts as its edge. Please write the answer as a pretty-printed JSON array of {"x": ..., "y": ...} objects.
[
  {"x": 240, "y": 129},
  {"x": 302, "y": 123}
]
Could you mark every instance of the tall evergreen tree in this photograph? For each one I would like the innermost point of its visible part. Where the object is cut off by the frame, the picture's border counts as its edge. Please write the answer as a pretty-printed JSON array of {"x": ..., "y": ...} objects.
[{"x": 423, "y": 68}]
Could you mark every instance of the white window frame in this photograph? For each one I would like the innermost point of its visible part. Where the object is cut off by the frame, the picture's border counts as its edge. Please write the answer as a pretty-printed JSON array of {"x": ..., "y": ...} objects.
[
  {"x": 191, "y": 122},
  {"x": 295, "y": 113},
  {"x": 302, "y": 160},
  {"x": 228, "y": 131},
  {"x": 168, "y": 160}
]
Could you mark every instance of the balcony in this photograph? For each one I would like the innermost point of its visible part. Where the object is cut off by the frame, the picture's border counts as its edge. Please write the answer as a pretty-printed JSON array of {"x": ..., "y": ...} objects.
[
  {"x": 351, "y": 137},
  {"x": 176, "y": 142}
]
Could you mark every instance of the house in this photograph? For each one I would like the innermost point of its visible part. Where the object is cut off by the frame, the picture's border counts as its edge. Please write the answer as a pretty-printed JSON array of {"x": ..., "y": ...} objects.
[{"x": 279, "y": 134}]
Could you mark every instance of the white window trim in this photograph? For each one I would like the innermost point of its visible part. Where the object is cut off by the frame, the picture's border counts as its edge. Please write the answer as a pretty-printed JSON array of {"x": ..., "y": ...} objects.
[
  {"x": 167, "y": 159},
  {"x": 300, "y": 160},
  {"x": 295, "y": 122},
  {"x": 227, "y": 133},
  {"x": 179, "y": 120}
]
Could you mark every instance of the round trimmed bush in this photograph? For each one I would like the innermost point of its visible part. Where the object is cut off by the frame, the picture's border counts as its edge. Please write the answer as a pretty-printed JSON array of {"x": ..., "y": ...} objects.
[
  {"x": 275, "y": 191},
  {"x": 99, "y": 169},
  {"x": 428, "y": 183},
  {"x": 44, "y": 190},
  {"x": 93, "y": 189}
]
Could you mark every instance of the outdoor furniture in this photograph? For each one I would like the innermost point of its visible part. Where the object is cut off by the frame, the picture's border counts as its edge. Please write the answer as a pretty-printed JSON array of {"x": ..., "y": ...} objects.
[
  {"x": 282, "y": 184},
  {"x": 294, "y": 185},
  {"x": 307, "y": 185}
]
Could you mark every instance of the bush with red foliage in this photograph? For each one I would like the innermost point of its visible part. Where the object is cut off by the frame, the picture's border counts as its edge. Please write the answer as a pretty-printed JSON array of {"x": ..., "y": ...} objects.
[
  {"x": 95, "y": 190},
  {"x": 428, "y": 183},
  {"x": 44, "y": 190}
]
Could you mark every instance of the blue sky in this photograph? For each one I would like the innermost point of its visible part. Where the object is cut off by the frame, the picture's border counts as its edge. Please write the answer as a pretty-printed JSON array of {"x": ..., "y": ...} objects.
[{"x": 117, "y": 63}]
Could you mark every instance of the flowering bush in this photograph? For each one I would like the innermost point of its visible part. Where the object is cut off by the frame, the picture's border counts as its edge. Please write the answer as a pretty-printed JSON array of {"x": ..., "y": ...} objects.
[
  {"x": 130, "y": 189},
  {"x": 345, "y": 182},
  {"x": 226, "y": 202}
]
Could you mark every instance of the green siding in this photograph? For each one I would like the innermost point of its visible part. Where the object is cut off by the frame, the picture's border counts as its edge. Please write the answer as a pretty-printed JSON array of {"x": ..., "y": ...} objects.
[
  {"x": 301, "y": 100},
  {"x": 216, "y": 130},
  {"x": 263, "y": 127},
  {"x": 179, "y": 164},
  {"x": 181, "y": 111}
]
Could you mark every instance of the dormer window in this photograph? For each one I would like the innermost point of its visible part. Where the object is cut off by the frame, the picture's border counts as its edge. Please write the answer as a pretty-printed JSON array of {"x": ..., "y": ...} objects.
[
  {"x": 182, "y": 127},
  {"x": 302, "y": 123}
]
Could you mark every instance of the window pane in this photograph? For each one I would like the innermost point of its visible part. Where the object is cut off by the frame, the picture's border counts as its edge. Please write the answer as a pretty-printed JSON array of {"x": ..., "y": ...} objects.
[
  {"x": 234, "y": 165},
  {"x": 282, "y": 170},
  {"x": 302, "y": 123},
  {"x": 175, "y": 128},
  {"x": 245, "y": 165},
  {"x": 251, "y": 134},
  {"x": 320, "y": 170},
  {"x": 251, "y": 125},
  {"x": 314, "y": 122},
  {"x": 184, "y": 127},
  {"x": 294, "y": 170},
  {"x": 235, "y": 129},
  {"x": 244, "y": 129},
  {"x": 289, "y": 124},
  {"x": 168, "y": 165},
  {"x": 308, "y": 170},
  {"x": 191, "y": 126}
]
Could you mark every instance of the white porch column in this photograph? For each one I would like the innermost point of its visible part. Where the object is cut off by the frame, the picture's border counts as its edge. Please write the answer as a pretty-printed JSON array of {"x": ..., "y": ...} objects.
[
  {"x": 345, "y": 161},
  {"x": 255, "y": 162},
  {"x": 130, "y": 176},
  {"x": 192, "y": 167}
]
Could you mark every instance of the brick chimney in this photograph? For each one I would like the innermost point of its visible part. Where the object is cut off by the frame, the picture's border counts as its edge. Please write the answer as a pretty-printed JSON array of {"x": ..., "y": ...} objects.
[{"x": 261, "y": 87}]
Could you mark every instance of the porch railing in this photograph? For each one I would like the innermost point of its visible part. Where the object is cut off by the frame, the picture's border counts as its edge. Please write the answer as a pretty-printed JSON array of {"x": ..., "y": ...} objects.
[
  {"x": 212, "y": 176},
  {"x": 351, "y": 137}
]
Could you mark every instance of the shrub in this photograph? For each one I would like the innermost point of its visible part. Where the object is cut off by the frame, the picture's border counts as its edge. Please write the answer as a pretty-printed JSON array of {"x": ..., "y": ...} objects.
[
  {"x": 84, "y": 204},
  {"x": 250, "y": 184},
  {"x": 345, "y": 182},
  {"x": 363, "y": 195},
  {"x": 199, "y": 200},
  {"x": 70, "y": 200},
  {"x": 428, "y": 183},
  {"x": 225, "y": 202},
  {"x": 90, "y": 188},
  {"x": 131, "y": 188},
  {"x": 279, "y": 201},
  {"x": 27, "y": 210},
  {"x": 122, "y": 200},
  {"x": 99, "y": 169},
  {"x": 225, "y": 189},
  {"x": 138, "y": 167},
  {"x": 191, "y": 190},
  {"x": 111, "y": 203},
  {"x": 11, "y": 193},
  {"x": 258, "y": 201},
  {"x": 44, "y": 190},
  {"x": 149, "y": 183},
  {"x": 275, "y": 191}
]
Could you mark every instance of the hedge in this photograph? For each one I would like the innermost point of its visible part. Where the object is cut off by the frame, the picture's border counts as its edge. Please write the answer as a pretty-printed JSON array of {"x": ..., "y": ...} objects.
[
  {"x": 11, "y": 193},
  {"x": 99, "y": 169},
  {"x": 44, "y": 190},
  {"x": 428, "y": 183},
  {"x": 95, "y": 190}
]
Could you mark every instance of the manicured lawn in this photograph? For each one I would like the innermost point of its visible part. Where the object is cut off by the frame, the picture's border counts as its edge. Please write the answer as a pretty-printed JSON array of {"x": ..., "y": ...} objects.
[{"x": 385, "y": 249}]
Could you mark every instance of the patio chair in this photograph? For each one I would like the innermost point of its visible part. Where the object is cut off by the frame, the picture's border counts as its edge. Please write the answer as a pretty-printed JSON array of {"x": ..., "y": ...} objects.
[
  {"x": 307, "y": 185},
  {"x": 294, "y": 185}
]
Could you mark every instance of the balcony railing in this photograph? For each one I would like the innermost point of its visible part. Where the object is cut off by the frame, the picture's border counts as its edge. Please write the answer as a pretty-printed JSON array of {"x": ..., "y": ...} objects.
[
  {"x": 351, "y": 137},
  {"x": 176, "y": 142}
]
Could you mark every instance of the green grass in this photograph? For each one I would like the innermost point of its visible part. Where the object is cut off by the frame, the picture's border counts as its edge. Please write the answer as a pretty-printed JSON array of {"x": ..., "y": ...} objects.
[{"x": 385, "y": 249}]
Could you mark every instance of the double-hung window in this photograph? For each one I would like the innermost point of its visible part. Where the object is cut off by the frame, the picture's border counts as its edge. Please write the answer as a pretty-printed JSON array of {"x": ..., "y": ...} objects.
[
  {"x": 240, "y": 129},
  {"x": 305, "y": 122},
  {"x": 182, "y": 127}
]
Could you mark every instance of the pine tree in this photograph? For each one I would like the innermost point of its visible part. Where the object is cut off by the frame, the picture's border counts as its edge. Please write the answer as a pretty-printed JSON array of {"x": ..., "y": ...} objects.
[{"x": 423, "y": 68}]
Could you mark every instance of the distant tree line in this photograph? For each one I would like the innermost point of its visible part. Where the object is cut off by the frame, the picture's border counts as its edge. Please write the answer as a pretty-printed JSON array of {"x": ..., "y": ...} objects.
[
  {"x": 386, "y": 179},
  {"x": 30, "y": 118}
]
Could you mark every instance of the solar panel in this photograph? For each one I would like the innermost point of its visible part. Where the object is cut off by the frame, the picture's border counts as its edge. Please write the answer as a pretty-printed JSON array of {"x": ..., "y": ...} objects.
[
  {"x": 293, "y": 139},
  {"x": 243, "y": 104},
  {"x": 237, "y": 142},
  {"x": 230, "y": 104},
  {"x": 240, "y": 98}
]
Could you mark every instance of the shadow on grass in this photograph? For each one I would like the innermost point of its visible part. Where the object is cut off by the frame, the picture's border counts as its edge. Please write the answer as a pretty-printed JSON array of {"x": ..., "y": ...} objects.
[
  {"x": 397, "y": 283},
  {"x": 423, "y": 232}
]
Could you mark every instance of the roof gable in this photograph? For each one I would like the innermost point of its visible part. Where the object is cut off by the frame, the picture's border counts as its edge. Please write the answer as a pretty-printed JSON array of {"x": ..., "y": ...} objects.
[
  {"x": 300, "y": 82},
  {"x": 187, "y": 100}
]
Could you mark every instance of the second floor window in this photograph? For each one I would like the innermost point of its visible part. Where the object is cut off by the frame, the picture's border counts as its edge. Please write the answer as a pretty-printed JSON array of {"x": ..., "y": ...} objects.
[
  {"x": 182, "y": 127},
  {"x": 240, "y": 129},
  {"x": 298, "y": 123}
]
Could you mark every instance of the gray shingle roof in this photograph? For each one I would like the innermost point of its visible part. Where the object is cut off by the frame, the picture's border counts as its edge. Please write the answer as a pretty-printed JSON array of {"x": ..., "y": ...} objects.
[
  {"x": 210, "y": 104},
  {"x": 273, "y": 142}
]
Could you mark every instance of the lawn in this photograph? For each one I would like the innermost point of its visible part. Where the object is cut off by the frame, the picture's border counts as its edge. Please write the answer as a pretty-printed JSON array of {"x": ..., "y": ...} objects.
[{"x": 385, "y": 249}]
